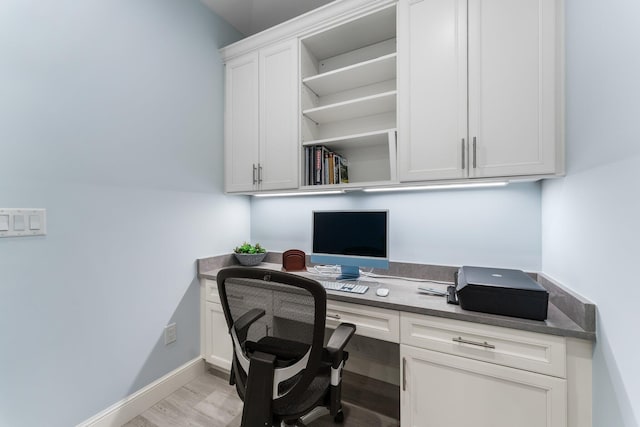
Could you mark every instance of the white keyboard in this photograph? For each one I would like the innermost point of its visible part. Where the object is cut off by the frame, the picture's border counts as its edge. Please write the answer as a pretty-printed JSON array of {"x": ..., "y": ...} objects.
[{"x": 344, "y": 287}]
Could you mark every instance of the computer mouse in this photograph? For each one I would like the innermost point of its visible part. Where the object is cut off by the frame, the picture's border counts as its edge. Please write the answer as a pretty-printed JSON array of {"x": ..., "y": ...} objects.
[{"x": 382, "y": 292}]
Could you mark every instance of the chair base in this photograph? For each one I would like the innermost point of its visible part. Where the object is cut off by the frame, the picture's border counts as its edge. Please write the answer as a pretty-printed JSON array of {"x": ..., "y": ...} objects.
[{"x": 308, "y": 418}]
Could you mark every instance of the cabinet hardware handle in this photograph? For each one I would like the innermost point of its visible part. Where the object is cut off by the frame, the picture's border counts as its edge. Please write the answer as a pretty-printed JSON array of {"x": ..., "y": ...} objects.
[
  {"x": 479, "y": 344},
  {"x": 255, "y": 180},
  {"x": 240, "y": 297},
  {"x": 474, "y": 153},
  {"x": 259, "y": 173},
  {"x": 463, "y": 164},
  {"x": 334, "y": 316},
  {"x": 404, "y": 374}
]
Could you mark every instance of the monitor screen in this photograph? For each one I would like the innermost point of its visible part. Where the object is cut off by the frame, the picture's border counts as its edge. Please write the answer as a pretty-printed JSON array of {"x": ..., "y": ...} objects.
[{"x": 351, "y": 238}]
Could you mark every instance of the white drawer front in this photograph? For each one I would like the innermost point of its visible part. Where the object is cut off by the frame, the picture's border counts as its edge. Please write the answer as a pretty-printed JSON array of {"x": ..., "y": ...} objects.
[
  {"x": 370, "y": 322},
  {"x": 530, "y": 351},
  {"x": 211, "y": 289}
]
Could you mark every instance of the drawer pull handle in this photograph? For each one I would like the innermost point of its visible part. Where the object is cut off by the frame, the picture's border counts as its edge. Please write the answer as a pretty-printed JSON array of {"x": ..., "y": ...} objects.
[
  {"x": 334, "y": 316},
  {"x": 479, "y": 344}
]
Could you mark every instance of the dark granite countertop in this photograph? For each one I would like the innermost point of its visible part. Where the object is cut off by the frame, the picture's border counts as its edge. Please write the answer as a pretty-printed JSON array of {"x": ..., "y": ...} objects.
[{"x": 404, "y": 296}]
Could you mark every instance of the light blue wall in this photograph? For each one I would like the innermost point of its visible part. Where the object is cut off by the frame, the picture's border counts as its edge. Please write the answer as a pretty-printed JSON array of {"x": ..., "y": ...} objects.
[
  {"x": 111, "y": 118},
  {"x": 591, "y": 218},
  {"x": 493, "y": 227}
]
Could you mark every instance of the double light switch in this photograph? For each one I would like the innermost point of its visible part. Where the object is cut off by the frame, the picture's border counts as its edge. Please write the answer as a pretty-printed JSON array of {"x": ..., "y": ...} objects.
[{"x": 22, "y": 222}]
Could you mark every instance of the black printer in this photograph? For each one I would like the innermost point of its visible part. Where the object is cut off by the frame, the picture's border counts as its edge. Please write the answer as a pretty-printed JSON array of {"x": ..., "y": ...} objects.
[{"x": 501, "y": 291}]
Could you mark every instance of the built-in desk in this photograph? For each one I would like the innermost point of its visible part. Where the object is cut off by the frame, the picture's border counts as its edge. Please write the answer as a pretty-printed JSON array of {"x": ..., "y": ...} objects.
[{"x": 504, "y": 371}]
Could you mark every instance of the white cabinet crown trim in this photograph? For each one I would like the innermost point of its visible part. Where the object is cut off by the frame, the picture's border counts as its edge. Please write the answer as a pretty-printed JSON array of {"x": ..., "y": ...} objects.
[{"x": 330, "y": 14}]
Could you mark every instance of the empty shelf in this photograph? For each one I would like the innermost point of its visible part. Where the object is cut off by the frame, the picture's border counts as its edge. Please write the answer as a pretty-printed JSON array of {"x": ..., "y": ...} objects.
[
  {"x": 357, "y": 75},
  {"x": 380, "y": 137},
  {"x": 359, "y": 107}
]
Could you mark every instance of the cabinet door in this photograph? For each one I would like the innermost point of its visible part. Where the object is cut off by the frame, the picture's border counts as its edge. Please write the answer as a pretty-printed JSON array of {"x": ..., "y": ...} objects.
[
  {"x": 241, "y": 123},
  {"x": 513, "y": 104},
  {"x": 278, "y": 116},
  {"x": 444, "y": 390},
  {"x": 218, "y": 350},
  {"x": 432, "y": 55}
]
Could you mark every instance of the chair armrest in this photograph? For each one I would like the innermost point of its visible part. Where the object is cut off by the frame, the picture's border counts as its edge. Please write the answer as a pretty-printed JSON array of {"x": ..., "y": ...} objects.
[
  {"x": 338, "y": 340},
  {"x": 245, "y": 321}
]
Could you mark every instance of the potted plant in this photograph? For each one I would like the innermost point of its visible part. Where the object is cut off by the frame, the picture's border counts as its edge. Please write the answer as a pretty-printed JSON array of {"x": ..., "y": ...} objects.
[{"x": 248, "y": 254}]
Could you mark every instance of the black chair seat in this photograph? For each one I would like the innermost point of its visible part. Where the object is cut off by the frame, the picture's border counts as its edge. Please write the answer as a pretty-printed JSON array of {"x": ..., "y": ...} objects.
[{"x": 286, "y": 351}]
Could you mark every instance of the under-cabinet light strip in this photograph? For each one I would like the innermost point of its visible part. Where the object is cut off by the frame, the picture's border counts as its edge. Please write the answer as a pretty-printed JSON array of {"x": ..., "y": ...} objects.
[
  {"x": 390, "y": 189},
  {"x": 310, "y": 193},
  {"x": 438, "y": 187}
]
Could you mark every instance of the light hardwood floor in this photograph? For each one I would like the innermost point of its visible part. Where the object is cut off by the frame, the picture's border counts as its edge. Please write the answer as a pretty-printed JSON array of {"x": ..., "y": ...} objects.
[{"x": 209, "y": 401}]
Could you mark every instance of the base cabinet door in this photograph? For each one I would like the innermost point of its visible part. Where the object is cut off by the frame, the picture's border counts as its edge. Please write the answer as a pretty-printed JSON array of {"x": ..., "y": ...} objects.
[
  {"x": 442, "y": 390},
  {"x": 219, "y": 350}
]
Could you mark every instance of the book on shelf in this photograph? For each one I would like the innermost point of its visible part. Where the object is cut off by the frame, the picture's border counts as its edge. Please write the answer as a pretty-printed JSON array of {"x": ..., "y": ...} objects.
[
  {"x": 343, "y": 171},
  {"x": 324, "y": 167},
  {"x": 329, "y": 164}
]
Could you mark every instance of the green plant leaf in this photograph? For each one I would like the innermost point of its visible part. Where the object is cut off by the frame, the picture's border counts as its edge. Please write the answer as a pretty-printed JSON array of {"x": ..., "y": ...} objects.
[{"x": 247, "y": 248}]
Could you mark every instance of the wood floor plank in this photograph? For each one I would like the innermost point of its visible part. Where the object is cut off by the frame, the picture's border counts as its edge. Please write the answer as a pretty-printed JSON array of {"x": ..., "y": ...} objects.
[
  {"x": 209, "y": 401},
  {"x": 221, "y": 406},
  {"x": 140, "y": 422}
]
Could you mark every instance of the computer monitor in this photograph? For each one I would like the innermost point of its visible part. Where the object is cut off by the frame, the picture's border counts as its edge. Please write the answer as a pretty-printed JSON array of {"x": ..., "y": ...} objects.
[{"x": 352, "y": 239}]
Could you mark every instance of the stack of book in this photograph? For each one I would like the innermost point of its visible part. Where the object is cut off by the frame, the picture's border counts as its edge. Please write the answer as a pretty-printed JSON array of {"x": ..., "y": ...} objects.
[{"x": 324, "y": 167}]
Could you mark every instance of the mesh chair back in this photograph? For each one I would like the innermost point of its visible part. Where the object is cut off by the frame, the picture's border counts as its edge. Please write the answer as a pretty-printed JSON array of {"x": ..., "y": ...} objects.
[{"x": 291, "y": 328}]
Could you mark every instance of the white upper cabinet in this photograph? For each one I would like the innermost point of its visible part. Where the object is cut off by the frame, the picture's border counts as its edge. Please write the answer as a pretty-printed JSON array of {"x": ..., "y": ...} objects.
[
  {"x": 480, "y": 89},
  {"x": 261, "y": 126},
  {"x": 279, "y": 116},
  {"x": 432, "y": 55},
  {"x": 377, "y": 93},
  {"x": 241, "y": 123},
  {"x": 513, "y": 95}
]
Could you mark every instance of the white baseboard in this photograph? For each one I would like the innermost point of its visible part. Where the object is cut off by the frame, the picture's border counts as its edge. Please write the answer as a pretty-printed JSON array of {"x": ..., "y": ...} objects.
[{"x": 135, "y": 404}]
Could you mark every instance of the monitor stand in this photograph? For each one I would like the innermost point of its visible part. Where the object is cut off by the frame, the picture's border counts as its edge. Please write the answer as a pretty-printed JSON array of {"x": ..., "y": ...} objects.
[{"x": 349, "y": 272}]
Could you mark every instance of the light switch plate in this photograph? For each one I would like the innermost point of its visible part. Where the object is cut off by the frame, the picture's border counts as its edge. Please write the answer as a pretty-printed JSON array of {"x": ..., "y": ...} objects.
[
  {"x": 23, "y": 222},
  {"x": 34, "y": 222},
  {"x": 18, "y": 222},
  {"x": 4, "y": 222}
]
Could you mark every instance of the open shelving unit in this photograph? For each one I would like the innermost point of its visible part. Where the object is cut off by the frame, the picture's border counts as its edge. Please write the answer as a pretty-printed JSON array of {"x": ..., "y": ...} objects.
[{"x": 348, "y": 95}]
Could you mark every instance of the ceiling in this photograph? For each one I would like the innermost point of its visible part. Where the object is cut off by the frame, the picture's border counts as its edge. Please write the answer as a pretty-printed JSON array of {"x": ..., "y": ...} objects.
[{"x": 252, "y": 16}]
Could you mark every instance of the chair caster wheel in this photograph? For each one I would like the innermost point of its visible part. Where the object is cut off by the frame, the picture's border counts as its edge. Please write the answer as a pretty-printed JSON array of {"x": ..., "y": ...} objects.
[{"x": 339, "y": 417}]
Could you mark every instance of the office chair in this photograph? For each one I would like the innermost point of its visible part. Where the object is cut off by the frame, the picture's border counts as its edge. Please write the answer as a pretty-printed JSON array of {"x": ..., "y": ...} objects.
[{"x": 281, "y": 370}]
